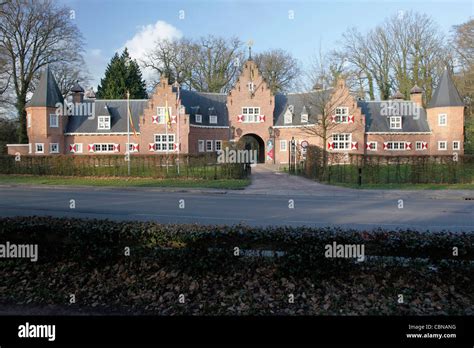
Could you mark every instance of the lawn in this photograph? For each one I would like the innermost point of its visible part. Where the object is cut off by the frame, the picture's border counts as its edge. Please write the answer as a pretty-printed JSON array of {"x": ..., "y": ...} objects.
[{"x": 229, "y": 184}]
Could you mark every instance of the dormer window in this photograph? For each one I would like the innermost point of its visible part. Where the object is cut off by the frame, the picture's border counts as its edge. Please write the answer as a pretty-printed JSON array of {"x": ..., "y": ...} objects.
[
  {"x": 198, "y": 118},
  {"x": 396, "y": 122},
  {"x": 288, "y": 118},
  {"x": 103, "y": 122},
  {"x": 304, "y": 118},
  {"x": 213, "y": 119},
  {"x": 342, "y": 115}
]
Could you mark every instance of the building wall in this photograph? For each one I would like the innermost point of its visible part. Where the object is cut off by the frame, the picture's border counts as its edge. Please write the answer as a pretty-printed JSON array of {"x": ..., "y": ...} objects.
[{"x": 453, "y": 131}]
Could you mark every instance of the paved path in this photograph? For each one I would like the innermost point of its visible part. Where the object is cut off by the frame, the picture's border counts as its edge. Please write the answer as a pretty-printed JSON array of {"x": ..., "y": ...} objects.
[{"x": 266, "y": 202}]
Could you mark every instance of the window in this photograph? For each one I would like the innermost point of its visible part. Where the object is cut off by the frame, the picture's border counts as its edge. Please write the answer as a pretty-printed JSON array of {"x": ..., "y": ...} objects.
[
  {"x": 251, "y": 86},
  {"x": 161, "y": 113},
  {"x": 442, "y": 120},
  {"x": 442, "y": 145},
  {"x": 201, "y": 145},
  {"x": 164, "y": 142},
  {"x": 53, "y": 121},
  {"x": 341, "y": 141},
  {"x": 213, "y": 119},
  {"x": 208, "y": 145},
  {"x": 304, "y": 118},
  {"x": 103, "y": 147},
  {"x": 198, "y": 118},
  {"x": 396, "y": 122},
  {"x": 28, "y": 120},
  {"x": 288, "y": 118},
  {"x": 250, "y": 114},
  {"x": 283, "y": 145},
  {"x": 132, "y": 147},
  {"x": 372, "y": 146},
  {"x": 39, "y": 148},
  {"x": 419, "y": 145},
  {"x": 104, "y": 122},
  {"x": 78, "y": 148},
  {"x": 396, "y": 145},
  {"x": 54, "y": 148},
  {"x": 456, "y": 145},
  {"x": 218, "y": 145},
  {"x": 342, "y": 115}
]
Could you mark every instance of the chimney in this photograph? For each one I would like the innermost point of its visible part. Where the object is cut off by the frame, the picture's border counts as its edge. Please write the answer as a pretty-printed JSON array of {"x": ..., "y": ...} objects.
[
  {"x": 77, "y": 93},
  {"x": 398, "y": 96},
  {"x": 416, "y": 95}
]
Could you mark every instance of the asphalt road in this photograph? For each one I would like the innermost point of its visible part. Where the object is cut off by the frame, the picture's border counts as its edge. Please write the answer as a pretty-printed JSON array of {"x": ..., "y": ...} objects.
[{"x": 346, "y": 208}]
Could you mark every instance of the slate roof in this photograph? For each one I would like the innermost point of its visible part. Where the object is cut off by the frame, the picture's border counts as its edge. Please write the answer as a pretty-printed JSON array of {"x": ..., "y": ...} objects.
[
  {"x": 117, "y": 109},
  {"x": 77, "y": 88},
  {"x": 206, "y": 104},
  {"x": 47, "y": 93},
  {"x": 445, "y": 93},
  {"x": 302, "y": 103},
  {"x": 377, "y": 121}
]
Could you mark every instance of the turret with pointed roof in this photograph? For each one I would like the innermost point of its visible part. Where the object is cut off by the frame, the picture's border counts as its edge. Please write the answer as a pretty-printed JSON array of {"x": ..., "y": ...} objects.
[
  {"x": 445, "y": 93},
  {"x": 47, "y": 93}
]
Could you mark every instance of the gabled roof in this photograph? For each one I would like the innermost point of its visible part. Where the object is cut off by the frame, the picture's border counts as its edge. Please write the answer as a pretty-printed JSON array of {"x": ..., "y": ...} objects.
[
  {"x": 205, "y": 104},
  {"x": 445, "y": 93},
  {"x": 47, "y": 93},
  {"x": 116, "y": 109},
  {"x": 378, "y": 121}
]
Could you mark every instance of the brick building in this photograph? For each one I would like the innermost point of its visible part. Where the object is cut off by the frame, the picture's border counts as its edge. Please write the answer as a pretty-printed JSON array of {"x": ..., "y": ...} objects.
[{"x": 250, "y": 115}]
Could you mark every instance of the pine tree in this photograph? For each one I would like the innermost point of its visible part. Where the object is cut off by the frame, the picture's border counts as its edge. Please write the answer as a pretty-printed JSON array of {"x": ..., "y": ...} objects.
[{"x": 119, "y": 77}]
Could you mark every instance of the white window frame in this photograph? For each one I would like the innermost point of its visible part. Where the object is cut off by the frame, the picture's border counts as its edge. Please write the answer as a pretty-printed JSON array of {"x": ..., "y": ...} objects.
[
  {"x": 440, "y": 117},
  {"x": 164, "y": 142},
  {"x": 161, "y": 113},
  {"x": 418, "y": 146},
  {"x": 209, "y": 149},
  {"x": 396, "y": 145},
  {"x": 445, "y": 145},
  {"x": 341, "y": 144},
  {"x": 216, "y": 146},
  {"x": 103, "y": 122},
  {"x": 212, "y": 119},
  {"x": 129, "y": 146},
  {"x": 53, "y": 124},
  {"x": 456, "y": 145},
  {"x": 375, "y": 147},
  {"x": 283, "y": 146},
  {"x": 198, "y": 118},
  {"x": 288, "y": 117},
  {"x": 395, "y": 122},
  {"x": 201, "y": 144},
  {"x": 251, "y": 117},
  {"x": 304, "y": 118},
  {"x": 42, "y": 147},
  {"x": 79, "y": 147},
  {"x": 28, "y": 120},
  {"x": 342, "y": 114},
  {"x": 104, "y": 147},
  {"x": 51, "y": 147}
]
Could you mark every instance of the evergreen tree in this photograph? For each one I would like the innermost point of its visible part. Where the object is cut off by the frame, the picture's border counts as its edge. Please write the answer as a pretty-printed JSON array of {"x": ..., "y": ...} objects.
[{"x": 120, "y": 76}]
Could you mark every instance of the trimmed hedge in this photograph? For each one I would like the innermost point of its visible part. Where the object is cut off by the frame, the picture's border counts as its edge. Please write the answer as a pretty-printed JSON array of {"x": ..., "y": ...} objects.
[{"x": 196, "y": 247}]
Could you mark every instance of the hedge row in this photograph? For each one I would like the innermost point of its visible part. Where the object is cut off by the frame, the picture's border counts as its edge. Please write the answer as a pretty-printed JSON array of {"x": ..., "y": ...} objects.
[{"x": 199, "y": 248}]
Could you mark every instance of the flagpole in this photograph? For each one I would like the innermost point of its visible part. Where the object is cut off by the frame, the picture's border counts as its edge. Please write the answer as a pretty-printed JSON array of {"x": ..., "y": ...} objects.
[
  {"x": 166, "y": 133},
  {"x": 178, "y": 111},
  {"x": 128, "y": 131}
]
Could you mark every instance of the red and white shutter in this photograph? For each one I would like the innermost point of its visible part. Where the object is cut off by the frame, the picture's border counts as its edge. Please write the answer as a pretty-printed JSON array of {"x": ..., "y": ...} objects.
[
  {"x": 151, "y": 147},
  {"x": 154, "y": 119},
  {"x": 385, "y": 145},
  {"x": 424, "y": 145},
  {"x": 330, "y": 145},
  {"x": 176, "y": 146},
  {"x": 173, "y": 119},
  {"x": 333, "y": 118},
  {"x": 135, "y": 147},
  {"x": 72, "y": 148},
  {"x": 240, "y": 118},
  {"x": 354, "y": 145},
  {"x": 91, "y": 147},
  {"x": 367, "y": 146},
  {"x": 261, "y": 118},
  {"x": 407, "y": 145},
  {"x": 116, "y": 147},
  {"x": 351, "y": 119}
]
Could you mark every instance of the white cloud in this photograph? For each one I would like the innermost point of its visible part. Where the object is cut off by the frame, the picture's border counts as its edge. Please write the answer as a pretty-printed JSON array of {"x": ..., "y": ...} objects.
[{"x": 146, "y": 37}]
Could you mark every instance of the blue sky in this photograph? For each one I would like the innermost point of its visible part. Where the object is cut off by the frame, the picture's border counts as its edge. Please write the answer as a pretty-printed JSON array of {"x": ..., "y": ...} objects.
[{"x": 109, "y": 25}]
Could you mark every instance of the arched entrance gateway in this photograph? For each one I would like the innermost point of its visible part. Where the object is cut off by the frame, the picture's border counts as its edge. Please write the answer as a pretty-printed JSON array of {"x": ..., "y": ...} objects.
[{"x": 255, "y": 144}]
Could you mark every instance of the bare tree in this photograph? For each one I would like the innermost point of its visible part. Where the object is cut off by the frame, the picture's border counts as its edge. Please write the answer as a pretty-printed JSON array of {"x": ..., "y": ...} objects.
[
  {"x": 34, "y": 33},
  {"x": 279, "y": 69}
]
